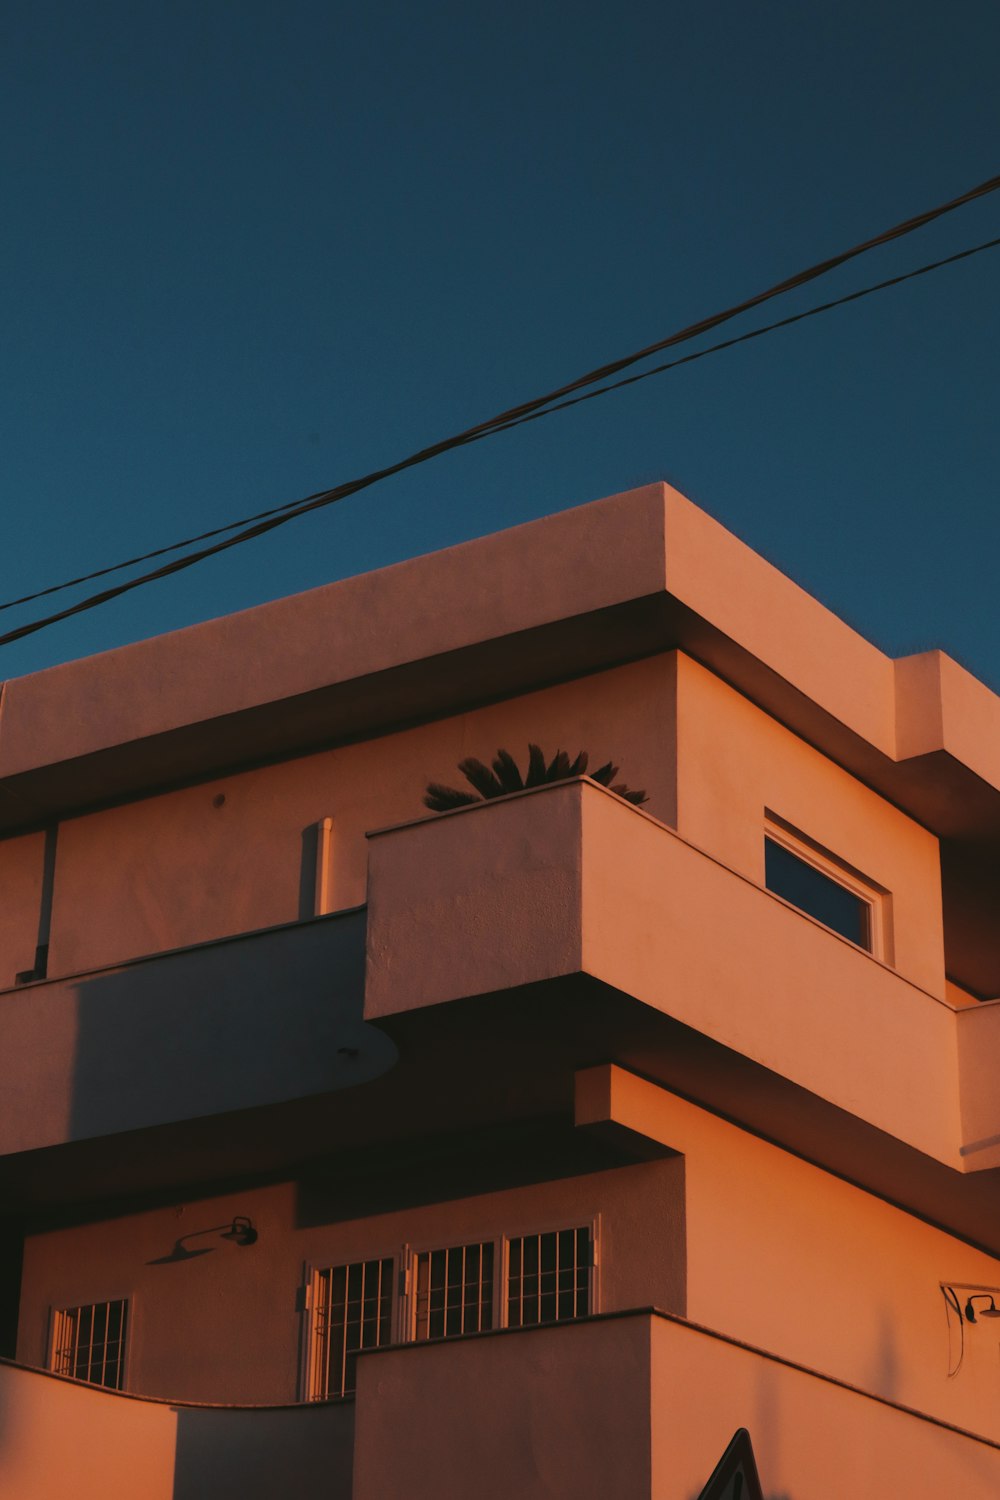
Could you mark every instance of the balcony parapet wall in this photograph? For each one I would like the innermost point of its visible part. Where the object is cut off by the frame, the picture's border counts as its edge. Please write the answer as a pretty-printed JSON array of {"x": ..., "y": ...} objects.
[
  {"x": 61, "y": 1437},
  {"x": 229, "y": 1025},
  {"x": 570, "y": 880},
  {"x": 639, "y": 1405}
]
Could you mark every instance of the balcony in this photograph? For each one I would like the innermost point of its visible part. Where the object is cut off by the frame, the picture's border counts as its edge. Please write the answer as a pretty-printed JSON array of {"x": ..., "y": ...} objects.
[
  {"x": 795, "y": 1029},
  {"x": 59, "y": 1437},
  {"x": 639, "y": 1405},
  {"x": 223, "y": 1027}
]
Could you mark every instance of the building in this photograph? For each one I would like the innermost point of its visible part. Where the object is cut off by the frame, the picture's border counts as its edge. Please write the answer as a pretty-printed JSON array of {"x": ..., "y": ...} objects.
[{"x": 676, "y": 1119}]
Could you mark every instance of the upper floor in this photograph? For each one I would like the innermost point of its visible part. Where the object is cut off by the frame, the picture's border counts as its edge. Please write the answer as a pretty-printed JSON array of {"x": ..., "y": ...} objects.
[
  {"x": 174, "y": 791},
  {"x": 802, "y": 908}
]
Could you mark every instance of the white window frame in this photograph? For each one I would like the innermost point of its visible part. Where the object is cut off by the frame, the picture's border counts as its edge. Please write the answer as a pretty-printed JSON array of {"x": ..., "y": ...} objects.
[
  {"x": 408, "y": 1300},
  {"x": 876, "y": 898},
  {"x": 532, "y": 1229},
  {"x": 58, "y": 1313},
  {"x": 308, "y": 1302},
  {"x": 404, "y": 1299}
]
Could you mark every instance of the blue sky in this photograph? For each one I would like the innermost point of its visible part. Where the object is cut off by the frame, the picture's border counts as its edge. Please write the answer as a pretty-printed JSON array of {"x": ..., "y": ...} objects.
[{"x": 250, "y": 250}]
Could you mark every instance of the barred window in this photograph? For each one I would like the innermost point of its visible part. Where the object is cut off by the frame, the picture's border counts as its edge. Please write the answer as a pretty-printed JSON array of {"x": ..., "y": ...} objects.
[
  {"x": 453, "y": 1291},
  {"x": 89, "y": 1343},
  {"x": 548, "y": 1277},
  {"x": 352, "y": 1311}
]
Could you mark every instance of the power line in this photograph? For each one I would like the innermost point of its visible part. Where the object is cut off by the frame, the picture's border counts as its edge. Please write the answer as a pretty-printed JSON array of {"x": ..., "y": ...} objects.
[
  {"x": 755, "y": 333},
  {"x": 506, "y": 419},
  {"x": 268, "y": 520}
]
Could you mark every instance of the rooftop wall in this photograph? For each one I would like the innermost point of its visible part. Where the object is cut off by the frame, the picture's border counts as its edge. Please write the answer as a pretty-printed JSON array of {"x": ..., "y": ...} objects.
[{"x": 618, "y": 579}]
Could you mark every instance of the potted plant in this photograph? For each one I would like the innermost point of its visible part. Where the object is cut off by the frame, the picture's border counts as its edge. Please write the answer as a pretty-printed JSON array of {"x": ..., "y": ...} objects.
[{"x": 505, "y": 777}]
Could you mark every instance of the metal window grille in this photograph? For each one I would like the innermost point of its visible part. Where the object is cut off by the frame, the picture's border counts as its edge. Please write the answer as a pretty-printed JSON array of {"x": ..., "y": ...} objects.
[
  {"x": 352, "y": 1310},
  {"x": 548, "y": 1277},
  {"x": 453, "y": 1291},
  {"x": 89, "y": 1343}
]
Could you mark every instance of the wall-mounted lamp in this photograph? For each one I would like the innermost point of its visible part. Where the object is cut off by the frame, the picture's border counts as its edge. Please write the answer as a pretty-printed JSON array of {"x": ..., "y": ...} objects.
[
  {"x": 243, "y": 1233},
  {"x": 984, "y": 1312},
  {"x": 240, "y": 1231}
]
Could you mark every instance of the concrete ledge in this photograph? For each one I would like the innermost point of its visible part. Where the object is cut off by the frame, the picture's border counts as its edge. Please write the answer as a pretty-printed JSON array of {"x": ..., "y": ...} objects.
[
  {"x": 569, "y": 879},
  {"x": 615, "y": 580}
]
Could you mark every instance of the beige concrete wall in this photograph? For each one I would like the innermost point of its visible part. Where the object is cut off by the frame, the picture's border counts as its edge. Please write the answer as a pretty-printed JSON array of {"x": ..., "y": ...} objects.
[
  {"x": 812, "y": 1440},
  {"x": 59, "y": 1438},
  {"x": 638, "y": 1407},
  {"x": 562, "y": 1413},
  {"x": 225, "y": 1326},
  {"x": 797, "y": 1261},
  {"x": 978, "y": 1051},
  {"x": 583, "y": 560},
  {"x": 777, "y": 1253},
  {"x": 236, "y": 854},
  {"x": 21, "y": 866},
  {"x": 229, "y": 1026},
  {"x": 735, "y": 763}
]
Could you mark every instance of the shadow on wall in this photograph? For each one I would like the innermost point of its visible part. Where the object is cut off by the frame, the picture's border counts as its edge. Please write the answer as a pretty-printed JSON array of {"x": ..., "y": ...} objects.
[
  {"x": 226, "y": 1026},
  {"x": 886, "y": 1372},
  {"x": 442, "y": 1169},
  {"x": 257, "y": 1455}
]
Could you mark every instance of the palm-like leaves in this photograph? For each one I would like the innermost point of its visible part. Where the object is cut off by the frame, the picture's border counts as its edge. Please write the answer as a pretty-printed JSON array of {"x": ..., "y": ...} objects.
[{"x": 505, "y": 777}]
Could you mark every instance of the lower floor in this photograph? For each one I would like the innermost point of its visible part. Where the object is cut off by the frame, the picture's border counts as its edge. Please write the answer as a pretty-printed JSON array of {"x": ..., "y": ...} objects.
[{"x": 639, "y": 1404}]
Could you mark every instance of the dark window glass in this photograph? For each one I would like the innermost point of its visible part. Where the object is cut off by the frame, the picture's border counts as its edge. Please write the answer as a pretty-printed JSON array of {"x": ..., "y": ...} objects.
[
  {"x": 90, "y": 1343},
  {"x": 353, "y": 1311},
  {"x": 454, "y": 1291},
  {"x": 817, "y": 894},
  {"x": 548, "y": 1277}
]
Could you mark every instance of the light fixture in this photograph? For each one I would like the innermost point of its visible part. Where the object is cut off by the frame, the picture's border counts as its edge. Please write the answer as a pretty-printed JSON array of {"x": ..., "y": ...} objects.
[
  {"x": 243, "y": 1233},
  {"x": 984, "y": 1312},
  {"x": 240, "y": 1230}
]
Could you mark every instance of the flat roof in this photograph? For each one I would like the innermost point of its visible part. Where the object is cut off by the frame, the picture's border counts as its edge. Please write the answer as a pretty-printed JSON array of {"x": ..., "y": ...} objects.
[{"x": 621, "y": 578}]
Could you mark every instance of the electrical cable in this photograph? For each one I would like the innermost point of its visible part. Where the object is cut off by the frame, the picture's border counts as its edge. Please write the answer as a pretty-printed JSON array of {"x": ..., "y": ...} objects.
[
  {"x": 507, "y": 418},
  {"x": 744, "y": 338},
  {"x": 326, "y": 496},
  {"x": 265, "y": 521},
  {"x": 951, "y": 1300}
]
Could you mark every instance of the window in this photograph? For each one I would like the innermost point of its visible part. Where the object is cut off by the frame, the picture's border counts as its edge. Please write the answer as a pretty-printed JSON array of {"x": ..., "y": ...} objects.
[
  {"x": 819, "y": 884},
  {"x": 548, "y": 1277},
  {"x": 511, "y": 1282},
  {"x": 352, "y": 1310},
  {"x": 89, "y": 1343},
  {"x": 453, "y": 1291}
]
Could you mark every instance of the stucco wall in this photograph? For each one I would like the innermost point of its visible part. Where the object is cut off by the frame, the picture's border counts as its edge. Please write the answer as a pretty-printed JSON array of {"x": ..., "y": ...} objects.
[
  {"x": 59, "y": 1438},
  {"x": 795, "y": 1260},
  {"x": 225, "y": 1326},
  {"x": 238, "y": 853},
  {"x": 204, "y": 1031},
  {"x": 21, "y": 865},
  {"x": 736, "y": 762},
  {"x": 641, "y": 1408},
  {"x": 569, "y": 878},
  {"x": 777, "y": 1252}
]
